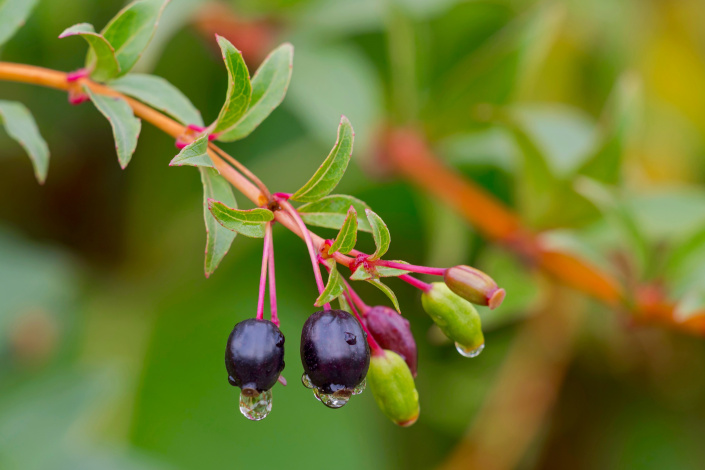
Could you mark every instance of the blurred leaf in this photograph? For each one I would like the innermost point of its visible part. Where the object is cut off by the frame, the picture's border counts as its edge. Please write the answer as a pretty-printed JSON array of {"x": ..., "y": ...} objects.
[
  {"x": 331, "y": 212},
  {"x": 103, "y": 65},
  {"x": 496, "y": 71},
  {"x": 218, "y": 237},
  {"x": 13, "y": 14},
  {"x": 194, "y": 154},
  {"x": 380, "y": 232},
  {"x": 494, "y": 146},
  {"x": 130, "y": 31},
  {"x": 617, "y": 124},
  {"x": 347, "y": 237},
  {"x": 20, "y": 126},
  {"x": 613, "y": 208},
  {"x": 333, "y": 167},
  {"x": 387, "y": 291},
  {"x": 251, "y": 223},
  {"x": 126, "y": 127},
  {"x": 160, "y": 94},
  {"x": 334, "y": 287},
  {"x": 269, "y": 85},
  {"x": 239, "y": 88}
]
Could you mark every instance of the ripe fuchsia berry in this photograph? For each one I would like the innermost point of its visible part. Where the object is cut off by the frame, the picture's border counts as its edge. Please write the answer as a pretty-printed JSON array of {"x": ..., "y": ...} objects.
[
  {"x": 254, "y": 359},
  {"x": 392, "y": 332},
  {"x": 335, "y": 356},
  {"x": 474, "y": 286}
]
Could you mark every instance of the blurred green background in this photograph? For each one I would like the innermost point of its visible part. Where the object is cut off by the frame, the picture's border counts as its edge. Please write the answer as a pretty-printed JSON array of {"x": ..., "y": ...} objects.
[{"x": 111, "y": 339}]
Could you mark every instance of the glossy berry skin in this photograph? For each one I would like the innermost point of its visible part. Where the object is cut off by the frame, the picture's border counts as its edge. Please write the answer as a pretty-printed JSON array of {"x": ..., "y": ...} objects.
[
  {"x": 334, "y": 351},
  {"x": 254, "y": 356},
  {"x": 392, "y": 332}
]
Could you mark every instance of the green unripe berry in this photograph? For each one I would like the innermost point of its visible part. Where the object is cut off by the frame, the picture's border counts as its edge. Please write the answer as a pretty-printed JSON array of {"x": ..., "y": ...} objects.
[
  {"x": 393, "y": 387},
  {"x": 455, "y": 316}
]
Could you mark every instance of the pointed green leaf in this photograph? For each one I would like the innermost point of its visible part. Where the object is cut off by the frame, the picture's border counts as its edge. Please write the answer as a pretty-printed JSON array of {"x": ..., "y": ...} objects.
[
  {"x": 331, "y": 212},
  {"x": 13, "y": 14},
  {"x": 380, "y": 232},
  {"x": 159, "y": 94},
  {"x": 269, "y": 85},
  {"x": 361, "y": 274},
  {"x": 331, "y": 171},
  {"x": 218, "y": 238},
  {"x": 103, "y": 64},
  {"x": 387, "y": 291},
  {"x": 130, "y": 31},
  {"x": 21, "y": 127},
  {"x": 194, "y": 154},
  {"x": 344, "y": 305},
  {"x": 250, "y": 223},
  {"x": 334, "y": 288},
  {"x": 239, "y": 88},
  {"x": 347, "y": 237},
  {"x": 126, "y": 127}
]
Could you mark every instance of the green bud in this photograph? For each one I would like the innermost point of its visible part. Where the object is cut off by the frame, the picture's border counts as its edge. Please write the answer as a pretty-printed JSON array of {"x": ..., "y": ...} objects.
[
  {"x": 393, "y": 387},
  {"x": 474, "y": 286},
  {"x": 456, "y": 317}
]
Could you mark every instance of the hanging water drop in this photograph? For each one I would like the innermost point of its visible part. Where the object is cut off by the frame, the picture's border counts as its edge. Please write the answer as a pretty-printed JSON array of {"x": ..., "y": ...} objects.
[
  {"x": 333, "y": 400},
  {"x": 469, "y": 352},
  {"x": 306, "y": 381},
  {"x": 256, "y": 407},
  {"x": 361, "y": 387}
]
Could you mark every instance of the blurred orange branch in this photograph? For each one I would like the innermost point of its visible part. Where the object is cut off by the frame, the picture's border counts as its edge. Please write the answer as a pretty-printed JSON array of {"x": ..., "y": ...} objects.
[{"x": 411, "y": 156}]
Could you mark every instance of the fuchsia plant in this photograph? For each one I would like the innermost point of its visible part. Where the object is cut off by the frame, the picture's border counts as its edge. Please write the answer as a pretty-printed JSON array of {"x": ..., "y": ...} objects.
[{"x": 340, "y": 348}]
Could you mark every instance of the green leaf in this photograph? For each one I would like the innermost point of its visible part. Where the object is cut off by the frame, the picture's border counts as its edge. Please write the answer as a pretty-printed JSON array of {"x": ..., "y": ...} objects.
[
  {"x": 269, "y": 85},
  {"x": 103, "y": 64},
  {"x": 361, "y": 274},
  {"x": 130, "y": 31},
  {"x": 194, "y": 154},
  {"x": 250, "y": 223},
  {"x": 331, "y": 171},
  {"x": 347, "y": 237},
  {"x": 239, "y": 88},
  {"x": 160, "y": 94},
  {"x": 21, "y": 127},
  {"x": 617, "y": 124},
  {"x": 218, "y": 238},
  {"x": 13, "y": 14},
  {"x": 126, "y": 127},
  {"x": 387, "y": 291},
  {"x": 331, "y": 212},
  {"x": 344, "y": 305},
  {"x": 380, "y": 232},
  {"x": 334, "y": 288}
]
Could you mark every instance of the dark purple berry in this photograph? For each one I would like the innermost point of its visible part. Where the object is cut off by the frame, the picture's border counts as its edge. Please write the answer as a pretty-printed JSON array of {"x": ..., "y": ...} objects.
[
  {"x": 334, "y": 351},
  {"x": 391, "y": 331},
  {"x": 254, "y": 356}
]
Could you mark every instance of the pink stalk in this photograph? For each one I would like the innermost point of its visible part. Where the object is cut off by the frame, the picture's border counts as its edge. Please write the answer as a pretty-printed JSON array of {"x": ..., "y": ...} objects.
[
  {"x": 272, "y": 279},
  {"x": 309, "y": 244},
  {"x": 411, "y": 267},
  {"x": 263, "y": 275},
  {"x": 376, "y": 348},
  {"x": 356, "y": 298},
  {"x": 415, "y": 282}
]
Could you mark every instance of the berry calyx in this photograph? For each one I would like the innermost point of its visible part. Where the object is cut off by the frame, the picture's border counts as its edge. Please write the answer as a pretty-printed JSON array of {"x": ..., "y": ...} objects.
[
  {"x": 254, "y": 356},
  {"x": 392, "y": 332},
  {"x": 335, "y": 355}
]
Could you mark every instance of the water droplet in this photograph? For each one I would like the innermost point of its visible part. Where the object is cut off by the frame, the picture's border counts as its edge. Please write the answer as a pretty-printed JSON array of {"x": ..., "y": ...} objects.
[
  {"x": 469, "y": 352},
  {"x": 361, "y": 387},
  {"x": 350, "y": 338},
  {"x": 306, "y": 381},
  {"x": 333, "y": 400},
  {"x": 256, "y": 407}
]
